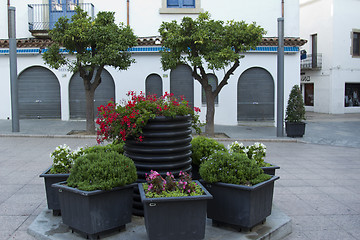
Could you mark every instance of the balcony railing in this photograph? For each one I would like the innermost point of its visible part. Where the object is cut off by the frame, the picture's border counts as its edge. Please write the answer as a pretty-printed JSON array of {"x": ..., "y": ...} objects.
[
  {"x": 42, "y": 17},
  {"x": 312, "y": 62}
]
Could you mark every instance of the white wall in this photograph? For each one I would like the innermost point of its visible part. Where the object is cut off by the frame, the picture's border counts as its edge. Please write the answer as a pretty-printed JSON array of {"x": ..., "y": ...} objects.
[
  {"x": 333, "y": 24},
  {"x": 145, "y": 18}
]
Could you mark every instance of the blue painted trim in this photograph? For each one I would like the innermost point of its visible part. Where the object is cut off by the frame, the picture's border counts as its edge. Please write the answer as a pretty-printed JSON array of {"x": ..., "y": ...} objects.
[
  {"x": 146, "y": 49},
  {"x": 22, "y": 51}
]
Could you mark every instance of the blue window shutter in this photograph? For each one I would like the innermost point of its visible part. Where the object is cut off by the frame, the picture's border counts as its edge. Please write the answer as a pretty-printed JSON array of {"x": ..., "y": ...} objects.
[
  {"x": 189, "y": 3},
  {"x": 173, "y": 3}
]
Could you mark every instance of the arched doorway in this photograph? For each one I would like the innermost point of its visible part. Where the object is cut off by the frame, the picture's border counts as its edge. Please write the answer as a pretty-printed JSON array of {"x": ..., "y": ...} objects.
[
  {"x": 182, "y": 83},
  {"x": 103, "y": 94},
  {"x": 255, "y": 95},
  {"x": 39, "y": 94},
  {"x": 153, "y": 85}
]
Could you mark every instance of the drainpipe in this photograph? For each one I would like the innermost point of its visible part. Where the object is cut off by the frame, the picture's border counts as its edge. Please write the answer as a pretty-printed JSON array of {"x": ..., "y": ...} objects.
[{"x": 128, "y": 12}]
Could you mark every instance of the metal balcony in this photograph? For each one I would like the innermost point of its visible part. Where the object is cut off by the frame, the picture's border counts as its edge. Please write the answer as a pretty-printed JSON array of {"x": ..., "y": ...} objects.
[
  {"x": 312, "y": 62},
  {"x": 42, "y": 17}
]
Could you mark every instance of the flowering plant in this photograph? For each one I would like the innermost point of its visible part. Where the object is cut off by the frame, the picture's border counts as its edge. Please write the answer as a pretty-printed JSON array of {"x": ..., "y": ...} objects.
[
  {"x": 157, "y": 186},
  {"x": 119, "y": 121},
  {"x": 63, "y": 158},
  {"x": 257, "y": 151}
]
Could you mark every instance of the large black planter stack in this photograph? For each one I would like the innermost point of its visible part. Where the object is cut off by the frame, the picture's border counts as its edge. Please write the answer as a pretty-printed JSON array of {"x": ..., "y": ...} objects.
[{"x": 166, "y": 148}]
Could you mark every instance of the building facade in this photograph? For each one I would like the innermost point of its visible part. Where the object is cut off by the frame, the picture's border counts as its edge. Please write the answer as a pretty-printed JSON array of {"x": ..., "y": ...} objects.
[
  {"x": 49, "y": 93},
  {"x": 330, "y": 74}
]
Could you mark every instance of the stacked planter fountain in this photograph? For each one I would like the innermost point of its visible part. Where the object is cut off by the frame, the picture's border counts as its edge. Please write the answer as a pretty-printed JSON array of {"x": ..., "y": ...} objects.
[{"x": 166, "y": 148}]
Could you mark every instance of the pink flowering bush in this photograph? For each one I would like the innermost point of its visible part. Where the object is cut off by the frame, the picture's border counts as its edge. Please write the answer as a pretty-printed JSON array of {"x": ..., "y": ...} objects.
[
  {"x": 157, "y": 186},
  {"x": 117, "y": 122}
]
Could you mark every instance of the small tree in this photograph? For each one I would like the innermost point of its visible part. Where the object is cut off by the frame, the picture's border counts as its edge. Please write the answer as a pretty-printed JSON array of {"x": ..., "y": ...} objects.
[
  {"x": 203, "y": 42},
  {"x": 92, "y": 44},
  {"x": 295, "y": 110}
]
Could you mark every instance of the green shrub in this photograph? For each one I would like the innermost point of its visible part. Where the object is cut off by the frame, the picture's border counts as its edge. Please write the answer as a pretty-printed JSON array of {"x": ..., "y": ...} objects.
[
  {"x": 118, "y": 147},
  {"x": 203, "y": 147},
  {"x": 232, "y": 168},
  {"x": 295, "y": 109},
  {"x": 102, "y": 170}
]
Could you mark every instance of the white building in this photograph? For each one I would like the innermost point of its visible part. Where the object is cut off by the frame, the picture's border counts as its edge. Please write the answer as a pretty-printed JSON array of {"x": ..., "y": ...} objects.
[
  {"x": 50, "y": 93},
  {"x": 330, "y": 75}
]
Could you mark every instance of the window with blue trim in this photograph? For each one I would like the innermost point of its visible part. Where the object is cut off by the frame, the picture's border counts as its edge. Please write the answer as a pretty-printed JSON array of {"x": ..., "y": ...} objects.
[
  {"x": 181, "y": 3},
  {"x": 181, "y": 7}
]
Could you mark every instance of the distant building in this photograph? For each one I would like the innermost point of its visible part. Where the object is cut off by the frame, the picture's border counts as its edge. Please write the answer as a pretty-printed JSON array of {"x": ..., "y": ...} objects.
[
  {"x": 49, "y": 93},
  {"x": 330, "y": 73}
]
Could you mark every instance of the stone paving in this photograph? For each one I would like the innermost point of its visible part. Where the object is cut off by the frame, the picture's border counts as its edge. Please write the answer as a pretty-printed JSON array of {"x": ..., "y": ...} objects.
[{"x": 318, "y": 187}]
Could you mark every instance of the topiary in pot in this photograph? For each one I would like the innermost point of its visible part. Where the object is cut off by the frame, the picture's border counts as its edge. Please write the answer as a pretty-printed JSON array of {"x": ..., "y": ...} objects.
[
  {"x": 242, "y": 193},
  {"x": 102, "y": 171},
  {"x": 202, "y": 148},
  {"x": 100, "y": 182},
  {"x": 295, "y": 114}
]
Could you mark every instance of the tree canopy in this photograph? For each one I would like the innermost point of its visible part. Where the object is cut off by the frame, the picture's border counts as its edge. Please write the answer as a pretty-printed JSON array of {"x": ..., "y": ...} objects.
[
  {"x": 204, "y": 43},
  {"x": 91, "y": 44}
]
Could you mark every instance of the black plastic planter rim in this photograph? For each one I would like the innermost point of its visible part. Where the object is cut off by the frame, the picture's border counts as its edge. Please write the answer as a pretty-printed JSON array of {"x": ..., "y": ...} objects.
[{"x": 62, "y": 186}]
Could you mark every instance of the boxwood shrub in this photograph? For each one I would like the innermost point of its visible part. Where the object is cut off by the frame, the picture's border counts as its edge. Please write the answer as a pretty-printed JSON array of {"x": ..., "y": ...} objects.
[
  {"x": 234, "y": 168},
  {"x": 203, "y": 147},
  {"x": 118, "y": 147},
  {"x": 102, "y": 170}
]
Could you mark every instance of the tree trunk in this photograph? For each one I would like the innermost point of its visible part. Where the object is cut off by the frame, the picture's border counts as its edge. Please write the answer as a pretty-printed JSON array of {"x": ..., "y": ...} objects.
[
  {"x": 90, "y": 123},
  {"x": 210, "y": 113}
]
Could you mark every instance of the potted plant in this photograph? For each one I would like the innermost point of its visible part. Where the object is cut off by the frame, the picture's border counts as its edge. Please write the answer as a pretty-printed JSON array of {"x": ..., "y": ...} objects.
[
  {"x": 295, "y": 114},
  {"x": 97, "y": 197},
  {"x": 203, "y": 147},
  {"x": 257, "y": 152},
  {"x": 242, "y": 193},
  {"x": 156, "y": 131},
  {"x": 63, "y": 159},
  {"x": 183, "y": 201}
]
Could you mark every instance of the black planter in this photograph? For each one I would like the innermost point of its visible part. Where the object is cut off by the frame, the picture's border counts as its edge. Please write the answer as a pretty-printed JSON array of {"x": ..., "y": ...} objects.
[
  {"x": 51, "y": 193},
  {"x": 175, "y": 218},
  {"x": 239, "y": 206},
  {"x": 166, "y": 148},
  {"x": 195, "y": 175},
  {"x": 270, "y": 170},
  {"x": 92, "y": 213},
  {"x": 295, "y": 129}
]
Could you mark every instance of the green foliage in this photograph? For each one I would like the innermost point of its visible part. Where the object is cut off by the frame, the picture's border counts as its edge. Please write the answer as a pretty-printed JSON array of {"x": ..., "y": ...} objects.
[
  {"x": 203, "y": 147},
  {"x": 295, "y": 110},
  {"x": 96, "y": 42},
  {"x": 232, "y": 168},
  {"x": 204, "y": 43},
  {"x": 102, "y": 171},
  {"x": 200, "y": 40},
  {"x": 175, "y": 193},
  {"x": 63, "y": 158},
  {"x": 116, "y": 147},
  {"x": 257, "y": 152}
]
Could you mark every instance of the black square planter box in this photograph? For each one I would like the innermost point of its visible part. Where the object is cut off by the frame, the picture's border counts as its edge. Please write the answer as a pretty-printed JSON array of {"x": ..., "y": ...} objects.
[
  {"x": 295, "y": 129},
  {"x": 238, "y": 205},
  {"x": 92, "y": 213},
  {"x": 270, "y": 170},
  {"x": 51, "y": 193},
  {"x": 175, "y": 218}
]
